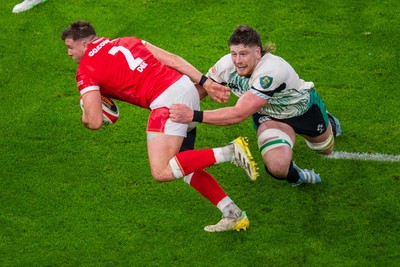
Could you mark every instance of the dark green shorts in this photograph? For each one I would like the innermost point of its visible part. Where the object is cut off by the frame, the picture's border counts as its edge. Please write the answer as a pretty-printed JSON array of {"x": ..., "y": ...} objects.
[{"x": 312, "y": 123}]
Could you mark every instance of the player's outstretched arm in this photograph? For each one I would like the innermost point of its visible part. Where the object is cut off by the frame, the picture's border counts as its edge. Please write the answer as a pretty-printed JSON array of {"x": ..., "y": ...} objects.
[
  {"x": 214, "y": 90},
  {"x": 223, "y": 116}
]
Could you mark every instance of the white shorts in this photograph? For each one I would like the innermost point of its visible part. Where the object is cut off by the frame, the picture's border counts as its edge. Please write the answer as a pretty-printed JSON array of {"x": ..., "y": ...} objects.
[{"x": 182, "y": 91}]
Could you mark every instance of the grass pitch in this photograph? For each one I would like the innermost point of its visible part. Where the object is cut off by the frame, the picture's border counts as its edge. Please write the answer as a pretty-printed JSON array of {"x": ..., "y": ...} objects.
[{"x": 74, "y": 197}]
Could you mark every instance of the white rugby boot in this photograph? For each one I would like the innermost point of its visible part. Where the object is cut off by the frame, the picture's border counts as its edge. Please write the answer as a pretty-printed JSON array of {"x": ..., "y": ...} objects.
[
  {"x": 230, "y": 224},
  {"x": 26, "y": 5}
]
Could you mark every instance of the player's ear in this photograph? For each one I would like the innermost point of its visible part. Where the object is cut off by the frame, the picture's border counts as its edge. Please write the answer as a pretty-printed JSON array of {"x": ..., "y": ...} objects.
[
  {"x": 85, "y": 43},
  {"x": 258, "y": 51}
]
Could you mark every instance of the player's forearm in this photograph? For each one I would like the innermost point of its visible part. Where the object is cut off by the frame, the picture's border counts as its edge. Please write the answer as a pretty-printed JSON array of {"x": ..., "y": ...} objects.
[
  {"x": 223, "y": 116},
  {"x": 214, "y": 90},
  {"x": 91, "y": 123},
  {"x": 185, "y": 68},
  {"x": 174, "y": 61},
  {"x": 202, "y": 92}
]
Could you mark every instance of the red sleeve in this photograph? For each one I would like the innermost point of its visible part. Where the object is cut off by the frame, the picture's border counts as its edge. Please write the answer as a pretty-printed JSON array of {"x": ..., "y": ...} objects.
[{"x": 85, "y": 82}]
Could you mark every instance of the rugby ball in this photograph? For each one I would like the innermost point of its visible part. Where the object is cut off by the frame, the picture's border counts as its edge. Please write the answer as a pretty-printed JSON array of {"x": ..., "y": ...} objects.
[{"x": 110, "y": 110}]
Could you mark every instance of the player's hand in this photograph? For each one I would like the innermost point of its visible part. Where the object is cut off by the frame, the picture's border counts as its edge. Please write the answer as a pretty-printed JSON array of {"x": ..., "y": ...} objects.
[
  {"x": 181, "y": 113},
  {"x": 216, "y": 91}
]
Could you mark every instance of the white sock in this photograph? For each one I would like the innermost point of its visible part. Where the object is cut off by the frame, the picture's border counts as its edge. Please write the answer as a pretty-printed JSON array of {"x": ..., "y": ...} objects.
[
  {"x": 231, "y": 211},
  {"x": 224, "y": 154},
  {"x": 229, "y": 208}
]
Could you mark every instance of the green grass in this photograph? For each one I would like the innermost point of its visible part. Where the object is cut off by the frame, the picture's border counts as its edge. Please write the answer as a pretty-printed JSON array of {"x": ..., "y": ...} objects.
[{"x": 74, "y": 197}]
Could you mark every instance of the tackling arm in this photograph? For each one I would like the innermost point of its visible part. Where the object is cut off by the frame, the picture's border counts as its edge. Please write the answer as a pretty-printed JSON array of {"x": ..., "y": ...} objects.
[{"x": 223, "y": 116}]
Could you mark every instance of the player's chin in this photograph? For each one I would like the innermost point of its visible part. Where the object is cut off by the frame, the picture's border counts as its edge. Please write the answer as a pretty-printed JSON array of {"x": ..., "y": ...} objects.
[
  {"x": 243, "y": 71},
  {"x": 77, "y": 59}
]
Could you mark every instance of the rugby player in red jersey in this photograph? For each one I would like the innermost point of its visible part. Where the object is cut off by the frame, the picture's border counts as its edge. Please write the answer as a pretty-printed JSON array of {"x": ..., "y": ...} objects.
[{"x": 134, "y": 71}]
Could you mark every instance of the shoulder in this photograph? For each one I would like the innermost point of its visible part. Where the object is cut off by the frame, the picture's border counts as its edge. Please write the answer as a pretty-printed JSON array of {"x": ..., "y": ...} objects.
[
  {"x": 223, "y": 63},
  {"x": 269, "y": 73},
  {"x": 220, "y": 71},
  {"x": 128, "y": 40},
  {"x": 269, "y": 63}
]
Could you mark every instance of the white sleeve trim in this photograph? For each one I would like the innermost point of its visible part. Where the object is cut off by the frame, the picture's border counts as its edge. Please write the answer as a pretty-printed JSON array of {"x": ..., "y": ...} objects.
[{"x": 90, "y": 88}]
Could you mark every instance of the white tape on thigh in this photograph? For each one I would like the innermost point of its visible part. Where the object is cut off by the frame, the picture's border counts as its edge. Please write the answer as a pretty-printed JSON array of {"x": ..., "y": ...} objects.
[
  {"x": 275, "y": 137},
  {"x": 321, "y": 147}
]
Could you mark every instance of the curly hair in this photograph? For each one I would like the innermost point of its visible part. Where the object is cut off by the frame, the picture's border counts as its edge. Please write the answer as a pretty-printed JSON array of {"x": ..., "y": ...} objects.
[{"x": 246, "y": 35}]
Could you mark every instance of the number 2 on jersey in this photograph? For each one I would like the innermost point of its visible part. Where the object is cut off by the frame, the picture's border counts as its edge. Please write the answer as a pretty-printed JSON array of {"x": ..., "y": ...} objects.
[{"x": 133, "y": 63}]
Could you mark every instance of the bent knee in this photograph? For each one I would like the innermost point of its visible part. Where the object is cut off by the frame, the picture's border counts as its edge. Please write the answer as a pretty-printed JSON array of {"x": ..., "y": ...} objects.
[
  {"x": 325, "y": 147},
  {"x": 278, "y": 171},
  {"x": 162, "y": 176}
]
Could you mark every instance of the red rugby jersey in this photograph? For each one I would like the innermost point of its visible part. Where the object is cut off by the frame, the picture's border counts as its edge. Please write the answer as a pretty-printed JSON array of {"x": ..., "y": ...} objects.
[{"x": 124, "y": 69}]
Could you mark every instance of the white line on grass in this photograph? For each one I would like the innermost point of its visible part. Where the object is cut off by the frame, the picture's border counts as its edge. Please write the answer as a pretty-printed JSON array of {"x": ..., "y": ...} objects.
[{"x": 363, "y": 156}]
